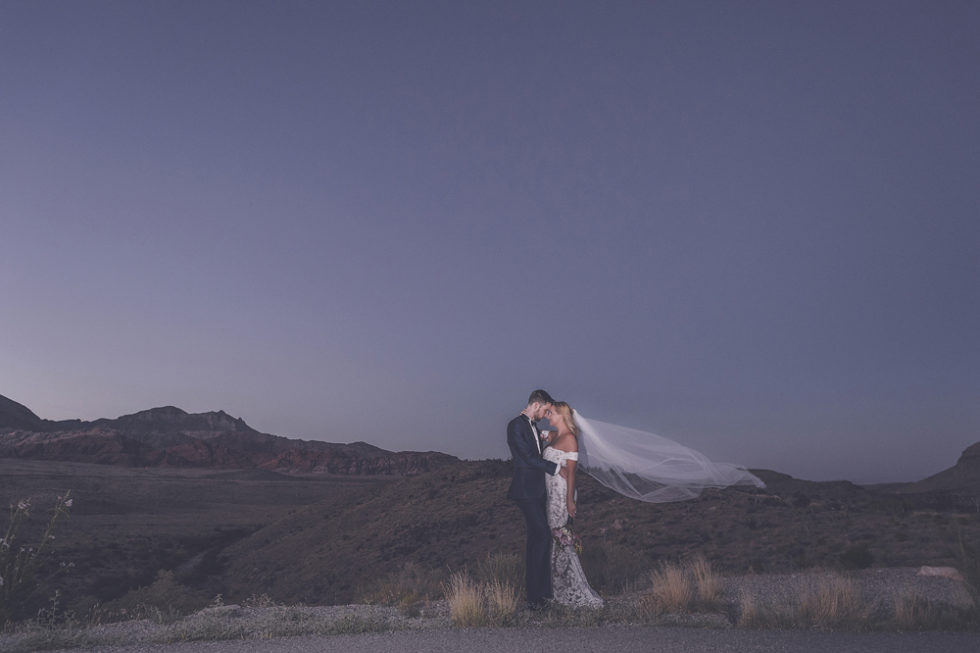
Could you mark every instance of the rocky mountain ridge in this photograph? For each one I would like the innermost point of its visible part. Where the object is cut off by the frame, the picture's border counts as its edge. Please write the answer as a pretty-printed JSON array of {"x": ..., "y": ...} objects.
[{"x": 170, "y": 437}]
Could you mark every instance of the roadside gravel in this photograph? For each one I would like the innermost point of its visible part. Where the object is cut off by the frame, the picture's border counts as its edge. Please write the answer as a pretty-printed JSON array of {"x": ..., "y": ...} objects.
[
  {"x": 605, "y": 639},
  {"x": 371, "y": 628}
]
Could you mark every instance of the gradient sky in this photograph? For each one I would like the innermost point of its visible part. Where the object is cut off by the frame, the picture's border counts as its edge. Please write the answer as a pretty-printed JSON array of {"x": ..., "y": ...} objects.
[{"x": 749, "y": 226}]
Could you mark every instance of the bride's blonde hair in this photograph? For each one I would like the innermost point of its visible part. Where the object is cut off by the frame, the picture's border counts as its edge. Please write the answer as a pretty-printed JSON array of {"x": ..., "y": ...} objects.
[{"x": 566, "y": 412}]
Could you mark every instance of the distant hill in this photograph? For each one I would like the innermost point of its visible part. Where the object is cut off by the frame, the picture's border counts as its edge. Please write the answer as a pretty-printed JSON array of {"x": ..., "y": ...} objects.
[
  {"x": 171, "y": 437},
  {"x": 961, "y": 478}
]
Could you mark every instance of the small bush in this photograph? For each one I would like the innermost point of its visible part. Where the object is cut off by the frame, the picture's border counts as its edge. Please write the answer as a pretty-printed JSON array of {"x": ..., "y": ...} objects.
[
  {"x": 753, "y": 615},
  {"x": 693, "y": 587},
  {"x": 913, "y": 612},
  {"x": 409, "y": 586},
  {"x": 707, "y": 584},
  {"x": 830, "y": 603},
  {"x": 502, "y": 601},
  {"x": 474, "y": 604},
  {"x": 833, "y": 602},
  {"x": 163, "y": 601},
  {"x": 466, "y": 604},
  {"x": 672, "y": 590},
  {"x": 19, "y": 561}
]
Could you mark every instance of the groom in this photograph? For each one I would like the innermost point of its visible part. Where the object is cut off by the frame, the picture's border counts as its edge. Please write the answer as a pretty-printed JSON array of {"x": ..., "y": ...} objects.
[{"x": 527, "y": 489}]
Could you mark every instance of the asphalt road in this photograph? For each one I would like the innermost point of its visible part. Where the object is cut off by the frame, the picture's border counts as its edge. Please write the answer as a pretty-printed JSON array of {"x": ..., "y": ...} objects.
[{"x": 607, "y": 639}]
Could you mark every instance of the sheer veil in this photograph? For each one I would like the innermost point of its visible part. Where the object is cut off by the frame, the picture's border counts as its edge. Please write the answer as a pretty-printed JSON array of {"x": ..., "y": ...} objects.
[{"x": 650, "y": 467}]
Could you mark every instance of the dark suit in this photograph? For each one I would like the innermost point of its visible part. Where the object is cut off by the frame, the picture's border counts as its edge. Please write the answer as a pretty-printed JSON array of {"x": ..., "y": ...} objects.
[{"x": 527, "y": 489}]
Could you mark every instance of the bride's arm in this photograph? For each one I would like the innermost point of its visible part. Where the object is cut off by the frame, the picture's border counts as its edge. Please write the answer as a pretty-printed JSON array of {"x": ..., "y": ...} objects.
[{"x": 570, "y": 487}]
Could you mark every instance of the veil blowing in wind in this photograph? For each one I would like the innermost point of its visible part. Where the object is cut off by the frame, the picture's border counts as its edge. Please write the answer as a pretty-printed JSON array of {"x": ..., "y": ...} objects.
[{"x": 650, "y": 467}]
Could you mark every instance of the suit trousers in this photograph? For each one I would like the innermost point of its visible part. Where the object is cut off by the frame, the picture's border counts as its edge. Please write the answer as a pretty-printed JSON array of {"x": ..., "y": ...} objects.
[{"x": 537, "y": 574}]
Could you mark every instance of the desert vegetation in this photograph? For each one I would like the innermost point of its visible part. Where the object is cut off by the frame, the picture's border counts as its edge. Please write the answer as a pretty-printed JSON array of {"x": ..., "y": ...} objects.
[{"x": 180, "y": 549}]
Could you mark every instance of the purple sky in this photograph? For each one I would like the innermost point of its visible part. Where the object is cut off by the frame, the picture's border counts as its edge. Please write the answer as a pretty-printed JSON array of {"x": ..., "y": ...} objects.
[{"x": 749, "y": 226}]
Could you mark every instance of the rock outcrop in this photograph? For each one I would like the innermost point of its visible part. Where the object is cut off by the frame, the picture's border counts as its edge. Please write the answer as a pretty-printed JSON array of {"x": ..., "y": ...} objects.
[{"x": 171, "y": 437}]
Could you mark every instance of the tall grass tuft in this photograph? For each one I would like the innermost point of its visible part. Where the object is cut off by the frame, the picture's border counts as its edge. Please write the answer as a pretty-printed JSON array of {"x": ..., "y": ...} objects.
[
  {"x": 751, "y": 614},
  {"x": 672, "y": 590},
  {"x": 474, "y": 604},
  {"x": 913, "y": 612},
  {"x": 832, "y": 602},
  {"x": 706, "y": 583},
  {"x": 502, "y": 602},
  {"x": 693, "y": 587},
  {"x": 466, "y": 603}
]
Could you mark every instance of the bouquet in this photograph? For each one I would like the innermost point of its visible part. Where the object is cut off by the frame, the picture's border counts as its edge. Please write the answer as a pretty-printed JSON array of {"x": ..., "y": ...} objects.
[{"x": 564, "y": 537}]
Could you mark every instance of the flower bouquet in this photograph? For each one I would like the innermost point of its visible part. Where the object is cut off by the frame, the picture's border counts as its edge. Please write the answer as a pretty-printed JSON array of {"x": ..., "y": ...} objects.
[{"x": 564, "y": 537}]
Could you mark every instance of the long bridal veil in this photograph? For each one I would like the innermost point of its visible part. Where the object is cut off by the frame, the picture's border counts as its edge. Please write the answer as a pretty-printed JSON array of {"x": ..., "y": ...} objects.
[{"x": 650, "y": 467}]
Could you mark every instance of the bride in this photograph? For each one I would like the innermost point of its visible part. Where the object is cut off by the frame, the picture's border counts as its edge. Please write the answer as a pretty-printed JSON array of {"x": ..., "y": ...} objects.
[
  {"x": 634, "y": 463},
  {"x": 568, "y": 583}
]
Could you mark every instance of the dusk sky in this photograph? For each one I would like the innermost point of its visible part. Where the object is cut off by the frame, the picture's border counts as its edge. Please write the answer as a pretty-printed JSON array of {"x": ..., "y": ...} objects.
[{"x": 753, "y": 227}]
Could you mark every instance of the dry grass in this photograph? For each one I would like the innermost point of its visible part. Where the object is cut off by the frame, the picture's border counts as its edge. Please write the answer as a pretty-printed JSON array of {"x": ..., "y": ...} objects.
[
  {"x": 466, "y": 602},
  {"x": 706, "y": 582},
  {"x": 502, "y": 601},
  {"x": 672, "y": 589},
  {"x": 752, "y": 614},
  {"x": 912, "y": 612},
  {"x": 833, "y": 602},
  {"x": 830, "y": 603},
  {"x": 409, "y": 588},
  {"x": 474, "y": 604},
  {"x": 693, "y": 587},
  {"x": 507, "y": 568}
]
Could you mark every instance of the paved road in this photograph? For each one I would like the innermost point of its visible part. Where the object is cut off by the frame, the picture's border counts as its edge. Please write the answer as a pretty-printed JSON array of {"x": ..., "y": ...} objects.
[{"x": 607, "y": 639}]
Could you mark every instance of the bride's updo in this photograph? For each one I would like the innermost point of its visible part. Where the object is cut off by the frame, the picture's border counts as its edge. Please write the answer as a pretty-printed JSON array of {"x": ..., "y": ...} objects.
[{"x": 565, "y": 411}]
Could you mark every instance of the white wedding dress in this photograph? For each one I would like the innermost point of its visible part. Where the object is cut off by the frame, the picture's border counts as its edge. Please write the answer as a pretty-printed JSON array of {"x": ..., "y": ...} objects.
[{"x": 568, "y": 583}]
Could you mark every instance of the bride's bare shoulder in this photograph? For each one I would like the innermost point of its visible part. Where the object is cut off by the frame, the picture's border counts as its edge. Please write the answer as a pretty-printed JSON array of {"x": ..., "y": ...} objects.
[{"x": 566, "y": 442}]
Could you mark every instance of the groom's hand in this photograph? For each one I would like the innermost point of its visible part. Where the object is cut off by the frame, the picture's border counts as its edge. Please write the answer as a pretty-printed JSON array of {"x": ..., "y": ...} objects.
[{"x": 564, "y": 472}]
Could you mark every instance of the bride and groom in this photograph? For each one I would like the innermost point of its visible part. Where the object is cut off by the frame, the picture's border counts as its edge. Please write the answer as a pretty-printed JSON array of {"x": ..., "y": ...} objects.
[
  {"x": 634, "y": 463},
  {"x": 544, "y": 489}
]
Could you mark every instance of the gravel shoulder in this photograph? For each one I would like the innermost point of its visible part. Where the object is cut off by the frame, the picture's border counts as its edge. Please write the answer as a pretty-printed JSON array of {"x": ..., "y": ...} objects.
[{"x": 286, "y": 628}]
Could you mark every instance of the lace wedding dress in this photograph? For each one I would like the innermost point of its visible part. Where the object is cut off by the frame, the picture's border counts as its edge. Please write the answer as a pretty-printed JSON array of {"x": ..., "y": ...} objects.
[{"x": 568, "y": 583}]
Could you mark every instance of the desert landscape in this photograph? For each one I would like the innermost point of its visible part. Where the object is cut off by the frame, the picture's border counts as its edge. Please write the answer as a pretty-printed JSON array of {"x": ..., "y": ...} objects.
[{"x": 172, "y": 512}]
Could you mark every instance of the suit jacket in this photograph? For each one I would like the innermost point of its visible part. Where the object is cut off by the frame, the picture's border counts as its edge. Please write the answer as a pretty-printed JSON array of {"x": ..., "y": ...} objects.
[{"x": 529, "y": 466}]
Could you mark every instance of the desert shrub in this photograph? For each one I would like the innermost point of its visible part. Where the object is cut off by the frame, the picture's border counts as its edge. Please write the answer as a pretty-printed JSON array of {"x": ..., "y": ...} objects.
[
  {"x": 832, "y": 602},
  {"x": 693, "y": 587},
  {"x": 752, "y": 614},
  {"x": 410, "y": 586},
  {"x": 19, "y": 561},
  {"x": 706, "y": 584},
  {"x": 502, "y": 599},
  {"x": 471, "y": 603},
  {"x": 466, "y": 601},
  {"x": 672, "y": 590},
  {"x": 164, "y": 600},
  {"x": 858, "y": 556},
  {"x": 914, "y": 612},
  {"x": 259, "y": 601},
  {"x": 506, "y": 568}
]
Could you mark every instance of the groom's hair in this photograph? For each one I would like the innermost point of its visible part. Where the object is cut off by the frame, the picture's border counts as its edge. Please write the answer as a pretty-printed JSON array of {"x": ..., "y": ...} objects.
[{"x": 540, "y": 397}]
